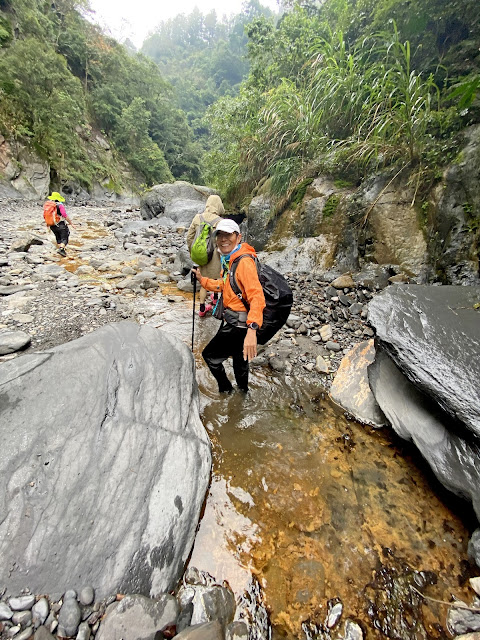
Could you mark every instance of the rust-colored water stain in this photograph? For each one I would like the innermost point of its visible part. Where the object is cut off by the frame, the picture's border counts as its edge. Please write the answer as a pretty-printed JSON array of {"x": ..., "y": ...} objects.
[
  {"x": 328, "y": 504},
  {"x": 94, "y": 231},
  {"x": 171, "y": 289}
]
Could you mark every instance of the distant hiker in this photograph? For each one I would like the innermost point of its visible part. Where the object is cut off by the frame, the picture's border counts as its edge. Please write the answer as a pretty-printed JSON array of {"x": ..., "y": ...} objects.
[
  {"x": 237, "y": 336},
  {"x": 56, "y": 219},
  {"x": 202, "y": 246}
]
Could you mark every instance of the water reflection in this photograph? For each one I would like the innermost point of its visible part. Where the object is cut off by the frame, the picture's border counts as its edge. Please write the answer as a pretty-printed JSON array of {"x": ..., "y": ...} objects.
[{"x": 318, "y": 508}]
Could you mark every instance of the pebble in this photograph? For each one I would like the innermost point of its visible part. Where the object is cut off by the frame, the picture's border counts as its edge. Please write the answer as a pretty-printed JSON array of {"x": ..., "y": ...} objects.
[
  {"x": 333, "y": 346},
  {"x": 5, "y": 612},
  {"x": 25, "y": 634},
  {"x": 334, "y": 615},
  {"x": 353, "y": 631},
  {"x": 23, "y": 618},
  {"x": 69, "y": 618},
  {"x": 321, "y": 365},
  {"x": 12, "y": 631},
  {"x": 22, "y": 603},
  {"x": 83, "y": 631},
  {"x": 40, "y": 612},
  {"x": 87, "y": 596},
  {"x": 42, "y": 633}
]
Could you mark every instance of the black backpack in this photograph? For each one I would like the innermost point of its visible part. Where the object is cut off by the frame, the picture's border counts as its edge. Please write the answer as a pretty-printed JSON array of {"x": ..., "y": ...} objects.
[{"x": 278, "y": 297}]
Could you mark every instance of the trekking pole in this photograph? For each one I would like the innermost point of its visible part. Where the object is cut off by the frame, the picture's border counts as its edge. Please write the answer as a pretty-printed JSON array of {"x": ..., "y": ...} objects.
[{"x": 193, "y": 280}]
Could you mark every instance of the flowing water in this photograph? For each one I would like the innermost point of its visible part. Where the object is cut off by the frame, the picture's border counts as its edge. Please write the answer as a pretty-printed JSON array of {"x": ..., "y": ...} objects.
[{"x": 321, "y": 508}]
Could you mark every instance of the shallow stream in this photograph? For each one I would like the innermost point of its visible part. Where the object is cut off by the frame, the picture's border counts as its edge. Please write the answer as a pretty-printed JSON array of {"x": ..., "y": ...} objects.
[{"x": 321, "y": 508}]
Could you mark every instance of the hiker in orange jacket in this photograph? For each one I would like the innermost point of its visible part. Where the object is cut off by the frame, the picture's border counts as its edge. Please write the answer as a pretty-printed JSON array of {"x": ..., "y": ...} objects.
[
  {"x": 61, "y": 230},
  {"x": 237, "y": 336}
]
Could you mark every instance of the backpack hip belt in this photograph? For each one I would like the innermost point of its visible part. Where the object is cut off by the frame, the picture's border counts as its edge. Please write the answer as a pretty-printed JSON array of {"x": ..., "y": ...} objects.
[{"x": 237, "y": 318}]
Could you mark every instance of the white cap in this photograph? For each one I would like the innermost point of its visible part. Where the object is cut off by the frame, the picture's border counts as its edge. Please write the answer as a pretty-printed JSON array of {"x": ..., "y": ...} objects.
[{"x": 230, "y": 226}]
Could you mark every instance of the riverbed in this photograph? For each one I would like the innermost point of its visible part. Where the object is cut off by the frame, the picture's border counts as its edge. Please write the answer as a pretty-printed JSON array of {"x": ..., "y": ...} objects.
[
  {"x": 322, "y": 509},
  {"x": 319, "y": 508}
]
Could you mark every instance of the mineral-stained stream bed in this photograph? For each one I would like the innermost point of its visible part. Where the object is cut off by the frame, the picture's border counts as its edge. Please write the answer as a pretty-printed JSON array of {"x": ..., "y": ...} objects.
[{"x": 321, "y": 508}]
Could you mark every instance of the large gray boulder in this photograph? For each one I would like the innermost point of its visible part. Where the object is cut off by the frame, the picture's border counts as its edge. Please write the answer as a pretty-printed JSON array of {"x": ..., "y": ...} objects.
[
  {"x": 302, "y": 256},
  {"x": 451, "y": 452},
  {"x": 104, "y": 464},
  {"x": 425, "y": 376},
  {"x": 433, "y": 336},
  {"x": 179, "y": 202},
  {"x": 261, "y": 221}
]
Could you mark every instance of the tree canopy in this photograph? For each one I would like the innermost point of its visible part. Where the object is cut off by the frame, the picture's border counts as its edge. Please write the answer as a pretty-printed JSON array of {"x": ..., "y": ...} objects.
[
  {"x": 61, "y": 78},
  {"x": 348, "y": 86}
]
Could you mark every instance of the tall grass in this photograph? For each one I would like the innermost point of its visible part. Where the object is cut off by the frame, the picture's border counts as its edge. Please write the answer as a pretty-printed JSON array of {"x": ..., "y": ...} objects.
[{"x": 365, "y": 106}]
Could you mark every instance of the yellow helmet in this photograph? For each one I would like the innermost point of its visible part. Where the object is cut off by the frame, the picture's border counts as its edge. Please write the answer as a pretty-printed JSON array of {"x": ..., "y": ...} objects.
[{"x": 56, "y": 196}]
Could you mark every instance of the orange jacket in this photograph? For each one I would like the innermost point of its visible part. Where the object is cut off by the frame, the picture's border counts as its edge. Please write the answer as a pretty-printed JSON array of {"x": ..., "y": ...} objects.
[{"x": 247, "y": 279}]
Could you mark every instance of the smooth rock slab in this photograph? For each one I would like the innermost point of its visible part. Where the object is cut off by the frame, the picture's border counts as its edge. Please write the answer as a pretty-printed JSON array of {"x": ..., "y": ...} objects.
[
  {"x": 102, "y": 474},
  {"x": 453, "y": 456},
  {"x": 433, "y": 335}
]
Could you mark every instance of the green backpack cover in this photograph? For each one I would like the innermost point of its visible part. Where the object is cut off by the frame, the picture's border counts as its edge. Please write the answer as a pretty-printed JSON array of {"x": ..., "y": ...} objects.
[{"x": 203, "y": 245}]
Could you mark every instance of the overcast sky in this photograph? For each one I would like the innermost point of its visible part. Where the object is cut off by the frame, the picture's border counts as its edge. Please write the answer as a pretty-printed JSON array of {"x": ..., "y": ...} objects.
[{"x": 135, "y": 19}]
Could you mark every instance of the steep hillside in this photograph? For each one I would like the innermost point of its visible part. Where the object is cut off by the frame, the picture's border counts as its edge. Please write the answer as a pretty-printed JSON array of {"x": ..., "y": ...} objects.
[
  {"x": 83, "y": 106},
  {"x": 379, "y": 101},
  {"x": 204, "y": 57}
]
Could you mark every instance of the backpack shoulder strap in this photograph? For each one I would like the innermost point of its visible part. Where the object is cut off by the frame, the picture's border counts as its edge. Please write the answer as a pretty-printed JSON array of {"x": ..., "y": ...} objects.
[{"x": 233, "y": 281}]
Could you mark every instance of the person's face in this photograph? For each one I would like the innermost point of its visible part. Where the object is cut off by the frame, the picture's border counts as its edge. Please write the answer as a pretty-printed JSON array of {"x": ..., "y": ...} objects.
[{"x": 227, "y": 242}]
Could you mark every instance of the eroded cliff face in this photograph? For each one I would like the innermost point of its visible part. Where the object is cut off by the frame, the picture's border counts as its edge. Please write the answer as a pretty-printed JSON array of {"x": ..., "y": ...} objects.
[
  {"x": 24, "y": 175},
  {"x": 453, "y": 224},
  {"x": 382, "y": 222}
]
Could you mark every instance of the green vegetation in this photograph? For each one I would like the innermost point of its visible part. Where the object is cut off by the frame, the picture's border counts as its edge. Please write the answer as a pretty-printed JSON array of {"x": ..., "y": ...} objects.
[
  {"x": 346, "y": 87},
  {"x": 204, "y": 58},
  {"x": 62, "y": 80},
  {"x": 331, "y": 205},
  {"x": 300, "y": 191},
  {"x": 349, "y": 88}
]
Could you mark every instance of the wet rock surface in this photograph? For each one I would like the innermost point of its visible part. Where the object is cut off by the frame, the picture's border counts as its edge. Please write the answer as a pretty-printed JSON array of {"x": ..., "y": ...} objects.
[
  {"x": 433, "y": 335},
  {"x": 120, "y": 267},
  {"x": 93, "y": 433}
]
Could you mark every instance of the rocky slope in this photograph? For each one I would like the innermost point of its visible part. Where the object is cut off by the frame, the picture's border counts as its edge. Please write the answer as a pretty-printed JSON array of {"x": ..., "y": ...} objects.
[{"x": 119, "y": 267}]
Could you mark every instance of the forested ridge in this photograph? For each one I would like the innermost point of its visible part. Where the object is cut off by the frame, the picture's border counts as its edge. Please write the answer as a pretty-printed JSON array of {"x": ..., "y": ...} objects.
[
  {"x": 346, "y": 87},
  {"x": 62, "y": 79},
  {"x": 204, "y": 57}
]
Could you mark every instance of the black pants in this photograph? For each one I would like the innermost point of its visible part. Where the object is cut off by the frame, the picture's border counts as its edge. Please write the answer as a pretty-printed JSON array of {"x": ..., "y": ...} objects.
[
  {"x": 227, "y": 342},
  {"x": 61, "y": 232}
]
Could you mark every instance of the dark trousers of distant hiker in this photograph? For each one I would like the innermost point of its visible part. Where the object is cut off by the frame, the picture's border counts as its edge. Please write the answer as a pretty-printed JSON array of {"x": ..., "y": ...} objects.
[
  {"x": 61, "y": 232},
  {"x": 227, "y": 342}
]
